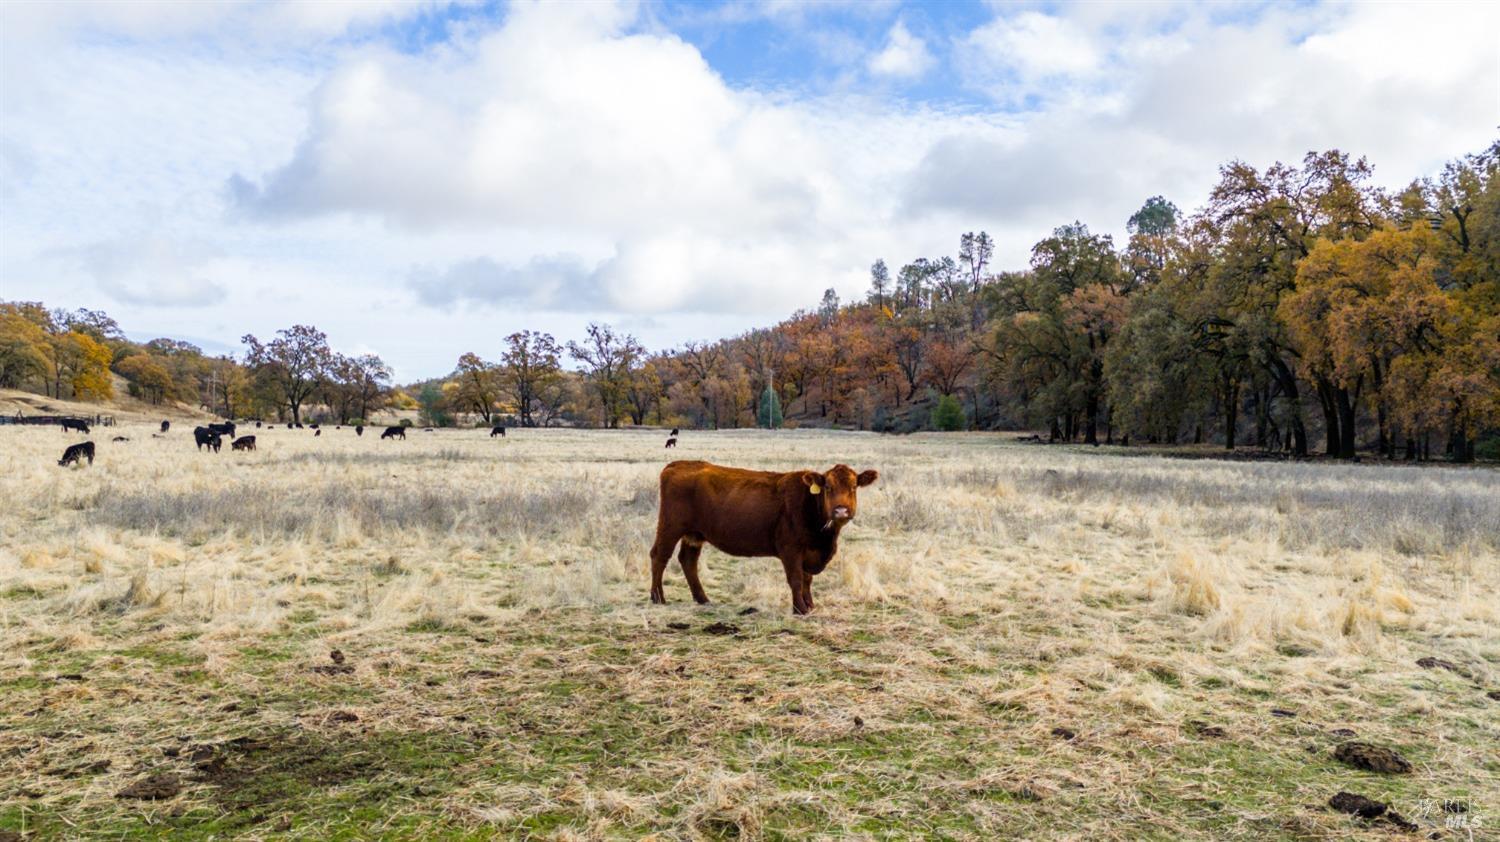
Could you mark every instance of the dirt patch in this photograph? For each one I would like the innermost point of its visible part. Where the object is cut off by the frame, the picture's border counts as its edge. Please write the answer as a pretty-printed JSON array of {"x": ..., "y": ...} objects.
[
  {"x": 253, "y": 772},
  {"x": 1203, "y": 729},
  {"x": 152, "y": 788}
]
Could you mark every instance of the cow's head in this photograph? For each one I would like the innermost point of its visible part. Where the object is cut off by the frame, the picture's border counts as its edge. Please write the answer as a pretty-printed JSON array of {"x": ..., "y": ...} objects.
[{"x": 836, "y": 492}]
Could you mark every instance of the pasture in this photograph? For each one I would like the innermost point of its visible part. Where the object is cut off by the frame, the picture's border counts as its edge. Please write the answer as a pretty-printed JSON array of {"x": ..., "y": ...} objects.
[{"x": 450, "y": 637}]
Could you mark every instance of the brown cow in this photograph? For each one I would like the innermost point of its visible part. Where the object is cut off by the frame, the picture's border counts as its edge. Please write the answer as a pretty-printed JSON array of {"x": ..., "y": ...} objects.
[{"x": 794, "y": 516}]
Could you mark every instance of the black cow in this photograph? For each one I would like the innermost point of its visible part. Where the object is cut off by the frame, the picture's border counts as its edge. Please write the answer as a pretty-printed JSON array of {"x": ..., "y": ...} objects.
[
  {"x": 75, "y": 424},
  {"x": 498, "y": 431},
  {"x": 206, "y": 437},
  {"x": 317, "y": 433},
  {"x": 77, "y": 452},
  {"x": 120, "y": 438},
  {"x": 257, "y": 425},
  {"x": 359, "y": 430},
  {"x": 165, "y": 426},
  {"x": 671, "y": 441},
  {"x": 225, "y": 429},
  {"x": 312, "y": 426},
  {"x": 243, "y": 443},
  {"x": 290, "y": 426},
  {"x": 394, "y": 433},
  {"x": 673, "y": 433}
]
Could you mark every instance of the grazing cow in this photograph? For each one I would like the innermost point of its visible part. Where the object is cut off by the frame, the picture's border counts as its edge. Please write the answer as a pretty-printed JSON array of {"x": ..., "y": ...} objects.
[
  {"x": 673, "y": 434},
  {"x": 794, "y": 516},
  {"x": 497, "y": 431},
  {"x": 206, "y": 437},
  {"x": 77, "y": 452},
  {"x": 290, "y": 426},
  {"x": 257, "y": 426},
  {"x": 317, "y": 433},
  {"x": 359, "y": 430},
  {"x": 74, "y": 424},
  {"x": 299, "y": 426},
  {"x": 165, "y": 426},
  {"x": 120, "y": 438},
  {"x": 225, "y": 429},
  {"x": 243, "y": 443},
  {"x": 312, "y": 426},
  {"x": 394, "y": 433},
  {"x": 671, "y": 441}
]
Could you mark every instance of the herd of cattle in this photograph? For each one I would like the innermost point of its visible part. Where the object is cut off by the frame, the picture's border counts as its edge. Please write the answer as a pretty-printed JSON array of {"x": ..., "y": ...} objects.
[
  {"x": 212, "y": 436},
  {"x": 793, "y": 516}
]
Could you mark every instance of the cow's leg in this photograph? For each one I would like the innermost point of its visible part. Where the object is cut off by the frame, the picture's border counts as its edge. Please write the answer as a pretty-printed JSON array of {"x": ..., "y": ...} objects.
[
  {"x": 794, "y": 577},
  {"x": 661, "y": 553},
  {"x": 687, "y": 556},
  {"x": 807, "y": 598}
]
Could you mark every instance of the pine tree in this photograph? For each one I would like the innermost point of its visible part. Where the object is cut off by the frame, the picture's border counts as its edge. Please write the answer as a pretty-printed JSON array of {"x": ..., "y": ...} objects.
[
  {"x": 769, "y": 414},
  {"x": 948, "y": 415}
]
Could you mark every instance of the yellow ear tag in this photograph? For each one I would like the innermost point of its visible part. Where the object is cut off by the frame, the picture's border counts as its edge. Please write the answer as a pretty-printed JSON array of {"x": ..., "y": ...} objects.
[{"x": 815, "y": 488}]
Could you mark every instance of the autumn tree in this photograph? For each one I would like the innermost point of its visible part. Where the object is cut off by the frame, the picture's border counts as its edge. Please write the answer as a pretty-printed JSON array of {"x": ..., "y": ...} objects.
[
  {"x": 291, "y": 364},
  {"x": 530, "y": 368},
  {"x": 477, "y": 385},
  {"x": 609, "y": 360},
  {"x": 25, "y": 353}
]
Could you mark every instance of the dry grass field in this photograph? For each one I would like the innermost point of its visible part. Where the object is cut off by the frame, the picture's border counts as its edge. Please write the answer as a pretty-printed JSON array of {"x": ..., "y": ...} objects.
[{"x": 450, "y": 637}]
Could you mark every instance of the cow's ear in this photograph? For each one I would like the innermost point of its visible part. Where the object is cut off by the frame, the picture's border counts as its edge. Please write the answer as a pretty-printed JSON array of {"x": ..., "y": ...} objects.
[
  {"x": 868, "y": 477},
  {"x": 813, "y": 481}
]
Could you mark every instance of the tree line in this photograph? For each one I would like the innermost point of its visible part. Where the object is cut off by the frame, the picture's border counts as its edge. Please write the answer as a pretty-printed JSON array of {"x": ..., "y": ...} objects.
[{"x": 1299, "y": 308}]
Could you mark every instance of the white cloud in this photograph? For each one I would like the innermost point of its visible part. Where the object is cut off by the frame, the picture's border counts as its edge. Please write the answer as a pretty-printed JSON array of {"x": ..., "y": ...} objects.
[
  {"x": 905, "y": 55},
  {"x": 1028, "y": 53},
  {"x": 28, "y": 20},
  {"x": 152, "y": 271},
  {"x": 572, "y": 163}
]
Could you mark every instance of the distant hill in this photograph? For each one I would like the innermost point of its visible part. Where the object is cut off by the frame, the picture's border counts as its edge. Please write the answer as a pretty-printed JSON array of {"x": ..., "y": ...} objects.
[{"x": 122, "y": 406}]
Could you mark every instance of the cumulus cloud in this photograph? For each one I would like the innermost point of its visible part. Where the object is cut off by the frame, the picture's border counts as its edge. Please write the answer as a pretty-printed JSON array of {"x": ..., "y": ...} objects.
[
  {"x": 557, "y": 282},
  {"x": 152, "y": 19},
  {"x": 1017, "y": 55},
  {"x": 1159, "y": 112},
  {"x": 569, "y": 161},
  {"x": 152, "y": 271},
  {"x": 905, "y": 55}
]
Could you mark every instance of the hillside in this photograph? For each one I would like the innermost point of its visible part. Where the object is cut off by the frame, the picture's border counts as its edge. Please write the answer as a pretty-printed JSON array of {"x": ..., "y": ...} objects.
[{"x": 123, "y": 407}]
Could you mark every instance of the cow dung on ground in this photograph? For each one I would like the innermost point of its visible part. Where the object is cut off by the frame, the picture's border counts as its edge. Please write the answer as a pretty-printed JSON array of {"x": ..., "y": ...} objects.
[
  {"x": 722, "y": 628},
  {"x": 1369, "y": 809},
  {"x": 1371, "y": 758}
]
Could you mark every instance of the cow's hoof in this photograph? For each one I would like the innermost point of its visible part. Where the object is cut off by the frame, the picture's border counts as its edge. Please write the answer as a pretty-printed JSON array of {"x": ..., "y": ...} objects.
[{"x": 658, "y": 599}]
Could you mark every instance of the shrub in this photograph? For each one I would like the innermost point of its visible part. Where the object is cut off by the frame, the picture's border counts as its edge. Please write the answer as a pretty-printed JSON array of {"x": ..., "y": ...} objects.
[{"x": 948, "y": 415}]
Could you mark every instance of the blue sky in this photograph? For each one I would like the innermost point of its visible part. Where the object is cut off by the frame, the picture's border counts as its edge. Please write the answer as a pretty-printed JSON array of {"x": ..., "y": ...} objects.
[{"x": 422, "y": 178}]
